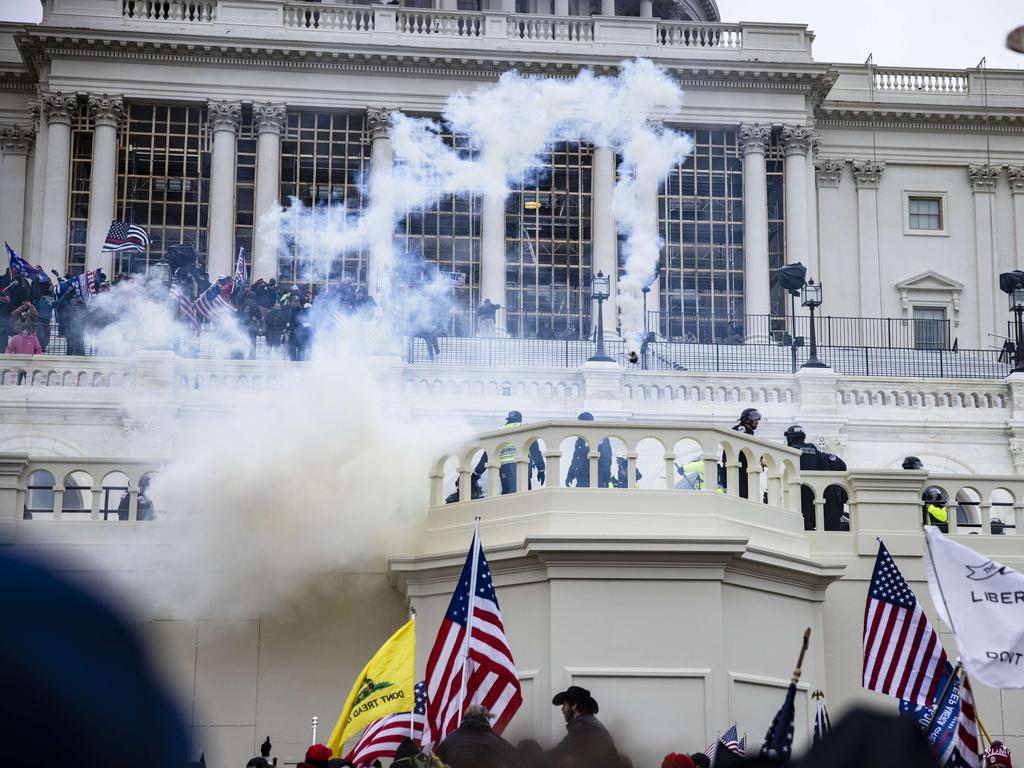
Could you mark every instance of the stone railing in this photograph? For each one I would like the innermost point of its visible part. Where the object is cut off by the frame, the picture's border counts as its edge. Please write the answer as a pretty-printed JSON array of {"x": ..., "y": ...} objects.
[
  {"x": 201, "y": 11},
  {"x": 921, "y": 81},
  {"x": 62, "y": 371},
  {"x": 328, "y": 17},
  {"x": 392, "y": 24}
]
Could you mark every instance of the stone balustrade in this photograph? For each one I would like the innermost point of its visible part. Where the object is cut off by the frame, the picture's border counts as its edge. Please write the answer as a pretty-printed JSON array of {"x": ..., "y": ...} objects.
[{"x": 484, "y": 29}]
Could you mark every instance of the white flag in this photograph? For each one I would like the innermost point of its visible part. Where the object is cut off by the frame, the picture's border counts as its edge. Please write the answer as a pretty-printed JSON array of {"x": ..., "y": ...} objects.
[{"x": 982, "y": 601}]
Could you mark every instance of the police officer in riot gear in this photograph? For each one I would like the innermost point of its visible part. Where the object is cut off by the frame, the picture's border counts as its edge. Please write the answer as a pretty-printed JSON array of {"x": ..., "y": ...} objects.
[
  {"x": 813, "y": 460},
  {"x": 749, "y": 419},
  {"x": 579, "y": 467},
  {"x": 912, "y": 462},
  {"x": 934, "y": 508},
  {"x": 508, "y": 454}
]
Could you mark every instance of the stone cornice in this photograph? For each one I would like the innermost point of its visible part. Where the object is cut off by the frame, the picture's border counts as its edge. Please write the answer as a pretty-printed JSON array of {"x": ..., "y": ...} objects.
[
  {"x": 755, "y": 137},
  {"x": 16, "y": 140},
  {"x": 919, "y": 117},
  {"x": 829, "y": 171},
  {"x": 868, "y": 173},
  {"x": 983, "y": 178},
  {"x": 105, "y": 109},
  {"x": 38, "y": 46},
  {"x": 270, "y": 117}
]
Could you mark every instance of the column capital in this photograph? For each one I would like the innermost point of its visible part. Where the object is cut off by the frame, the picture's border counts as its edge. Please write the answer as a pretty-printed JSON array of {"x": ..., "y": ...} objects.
[
  {"x": 378, "y": 121},
  {"x": 1015, "y": 173},
  {"x": 58, "y": 108},
  {"x": 868, "y": 173},
  {"x": 224, "y": 115},
  {"x": 829, "y": 171},
  {"x": 983, "y": 178},
  {"x": 755, "y": 138},
  {"x": 106, "y": 109},
  {"x": 816, "y": 141},
  {"x": 270, "y": 117},
  {"x": 796, "y": 139},
  {"x": 15, "y": 140}
]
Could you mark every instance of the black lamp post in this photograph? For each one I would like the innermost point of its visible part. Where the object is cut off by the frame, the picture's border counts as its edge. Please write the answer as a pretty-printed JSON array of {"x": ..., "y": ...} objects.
[
  {"x": 1017, "y": 307},
  {"x": 810, "y": 297},
  {"x": 602, "y": 289}
]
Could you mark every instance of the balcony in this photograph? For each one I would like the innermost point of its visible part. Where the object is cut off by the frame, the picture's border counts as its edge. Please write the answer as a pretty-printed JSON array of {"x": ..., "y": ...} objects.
[
  {"x": 655, "y": 465},
  {"x": 484, "y": 31}
]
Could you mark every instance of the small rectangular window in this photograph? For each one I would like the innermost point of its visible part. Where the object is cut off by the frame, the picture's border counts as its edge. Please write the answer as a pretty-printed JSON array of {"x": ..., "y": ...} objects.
[
  {"x": 930, "y": 329},
  {"x": 925, "y": 213}
]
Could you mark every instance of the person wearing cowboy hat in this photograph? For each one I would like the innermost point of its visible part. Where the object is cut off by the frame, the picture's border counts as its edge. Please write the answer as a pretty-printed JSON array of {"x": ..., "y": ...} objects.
[
  {"x": 475, "y": 745},
  {"x": 587, "y": 743}
]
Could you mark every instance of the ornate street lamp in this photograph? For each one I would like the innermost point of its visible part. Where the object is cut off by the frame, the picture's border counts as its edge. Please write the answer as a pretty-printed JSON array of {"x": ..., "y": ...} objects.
[
  {"x": 601, "y": 285},
  {"x": 1017, "y": 307},
  {"x": 810, "y": 297}
]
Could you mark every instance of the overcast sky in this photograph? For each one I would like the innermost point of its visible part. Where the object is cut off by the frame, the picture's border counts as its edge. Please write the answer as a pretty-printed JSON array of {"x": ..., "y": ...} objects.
[{"x": 910, "y": 33}]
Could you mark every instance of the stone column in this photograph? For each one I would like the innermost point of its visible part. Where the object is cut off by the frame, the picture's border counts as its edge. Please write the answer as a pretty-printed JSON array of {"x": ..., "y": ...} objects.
[
  {"x": 106, "y": 112},
  {"x": 757, "y": 288},
  {"x": 828, "y": 175},
  {"x": 646, "y": 9},
  {"x": 604, "y": 243},
  {"x": 868, "y": 174},
  {"x": 35, "y": 224},
  {"x": 270, "y": 121},
  {"x": 991, "y": 301},
  {"x": 607, "y": 7},
  {"x": 58, "y": 110},
  {"x": 813, "y": 258},
  {"x": 1016, "y": 176},
  {"x": 15, "y": 142},
  {"x": 382, "y": 198},
  {"x": 796, "y": 140},
  {"x": 492, "y": 255},
  {"x": 223, "y": 117}
]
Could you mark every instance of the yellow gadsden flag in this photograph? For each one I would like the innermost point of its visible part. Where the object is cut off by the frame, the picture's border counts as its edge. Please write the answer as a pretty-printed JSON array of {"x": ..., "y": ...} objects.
[{"x": 384, "y": 687}]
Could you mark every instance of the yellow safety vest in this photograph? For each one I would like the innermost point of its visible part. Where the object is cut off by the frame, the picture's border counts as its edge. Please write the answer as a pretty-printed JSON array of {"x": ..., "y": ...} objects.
[
  {"x": 507, "y": 453},
  {"x": 697, "y": 467},
  {"x": 937, "y": 515}
]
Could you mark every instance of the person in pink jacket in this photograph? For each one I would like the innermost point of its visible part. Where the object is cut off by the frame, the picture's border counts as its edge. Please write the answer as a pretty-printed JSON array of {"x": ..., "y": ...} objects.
[{"x": 25, "y": 343}]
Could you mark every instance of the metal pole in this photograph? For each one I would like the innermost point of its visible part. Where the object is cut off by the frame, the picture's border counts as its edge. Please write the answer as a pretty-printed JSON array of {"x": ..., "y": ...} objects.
[
  {"x": 599, "y": 354},
  {"x": 813, "y": 361},
  {"x": 1018, "y": 357}
]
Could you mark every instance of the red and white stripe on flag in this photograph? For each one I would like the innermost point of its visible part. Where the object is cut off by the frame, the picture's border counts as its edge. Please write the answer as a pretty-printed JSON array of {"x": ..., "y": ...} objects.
[
  {"x": 380, "y": 739},
  {"x": 903, "y": 656},
  {"x": 491, "y": 678},
  {"x": 966, "y": 743}
]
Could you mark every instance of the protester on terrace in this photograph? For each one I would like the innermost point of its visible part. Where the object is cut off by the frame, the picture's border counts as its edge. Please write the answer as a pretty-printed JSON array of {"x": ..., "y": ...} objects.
[
  {"x": 274, "y": 323},
  {"x": 475, "y": 745},
  {"x": 485, "y": 316},
  {"x": 587, "y": 743},
  {"x": 24, "y": 343}
]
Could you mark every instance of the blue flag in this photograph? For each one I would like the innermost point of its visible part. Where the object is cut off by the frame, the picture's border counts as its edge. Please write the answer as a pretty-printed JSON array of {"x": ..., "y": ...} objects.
[
  {"x": 19, "y": 265},
  {"x": 940, "y": 726},
  {"x": 778, "y": 742}
]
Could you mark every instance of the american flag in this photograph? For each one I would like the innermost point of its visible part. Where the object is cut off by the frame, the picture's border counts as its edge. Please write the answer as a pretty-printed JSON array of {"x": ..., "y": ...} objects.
[
  {"x": 211, "y": 305},
  {"x": 822, "y": 725},
  {"x": 778, "y": 742},
  {"x": 241, "y": 269},
  {"x": 125, "y": 237},
  {"x": 903, "y": 656},
  {"x": 182, "y": 304},
  {"x": 728, "y": 740},
  {"x": 965, "y": 746},
  {"x": 382, "y": 738},
  {"x": 471, "y": 662}
]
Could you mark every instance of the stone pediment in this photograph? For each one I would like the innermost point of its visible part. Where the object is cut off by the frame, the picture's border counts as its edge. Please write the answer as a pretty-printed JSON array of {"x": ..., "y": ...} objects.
[
  {"x": 931, "y": 287},
  {"x": 930, "y": 281}
]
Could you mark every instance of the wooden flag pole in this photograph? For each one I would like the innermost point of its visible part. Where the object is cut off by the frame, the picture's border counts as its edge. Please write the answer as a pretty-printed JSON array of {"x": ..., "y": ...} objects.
[
  {"x": 984, "y": 730},
  {"x": 803, "y": 650}
]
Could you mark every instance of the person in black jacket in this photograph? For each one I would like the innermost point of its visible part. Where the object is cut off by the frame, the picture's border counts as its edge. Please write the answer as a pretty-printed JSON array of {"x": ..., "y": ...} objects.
[
  {"x": 587, "y": 743},
  {"x": 749, "y": 419},
  {"x": 813, "y": 460},
  {"x": 475, "y": 745},
  {"x": 579, "y": 467}
]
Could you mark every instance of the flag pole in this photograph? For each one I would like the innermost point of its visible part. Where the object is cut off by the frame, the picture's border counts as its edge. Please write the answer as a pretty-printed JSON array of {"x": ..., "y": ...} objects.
[
  {"x": 412, "y": 712},
  {"x": 469, "y": 614},
  {"x": 981, "y": 725},
  {"x": 945, "y": 692},
  {"x": 803, "y": 650},
  {"x": 316, "y": 720}
]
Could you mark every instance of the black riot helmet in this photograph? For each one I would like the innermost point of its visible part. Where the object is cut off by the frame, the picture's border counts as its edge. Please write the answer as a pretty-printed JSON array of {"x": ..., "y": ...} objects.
[
  {"x": 750, "y": 415},
  {"x": 912, "y": 462},
  {"x": 514, "y": 417},
  {"x": 934, "y": 495},
  {"x": 795, "y": 434},
  {"x": 585, "y": 416}
]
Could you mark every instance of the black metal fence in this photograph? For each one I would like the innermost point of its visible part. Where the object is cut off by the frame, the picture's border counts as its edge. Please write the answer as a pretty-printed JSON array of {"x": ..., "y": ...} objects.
[{"x": 717, "y": 358}]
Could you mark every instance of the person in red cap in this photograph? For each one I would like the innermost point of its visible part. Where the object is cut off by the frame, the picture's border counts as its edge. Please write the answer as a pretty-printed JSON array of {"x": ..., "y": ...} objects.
[
  {"x": 998, "y": 755},
  {"x": 677, "y": 760},
  {"x": 316, "y": 757}
]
